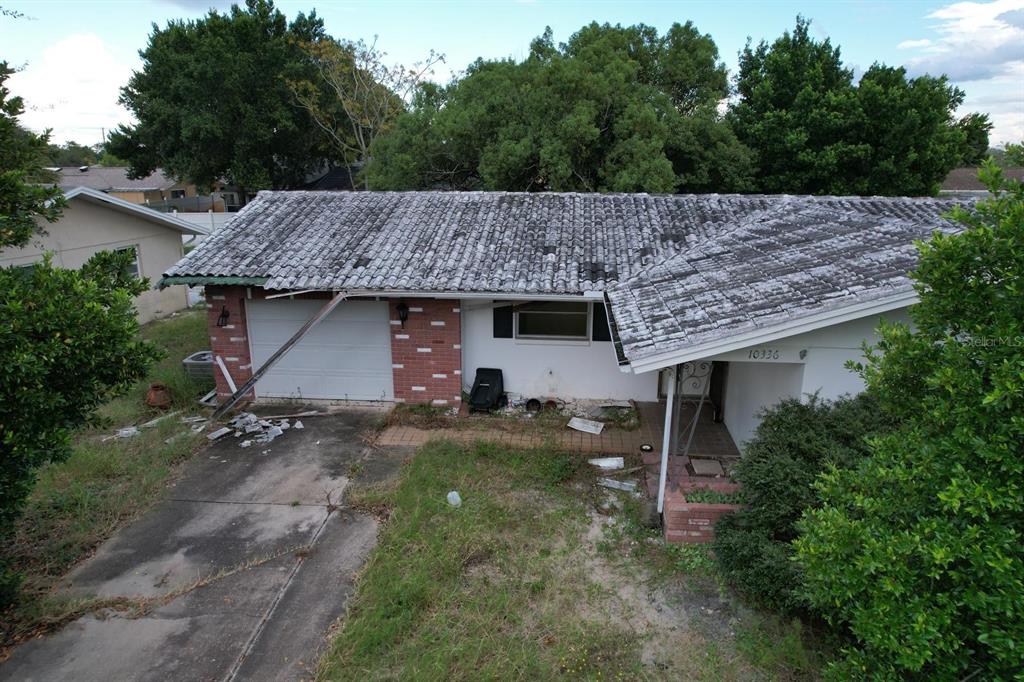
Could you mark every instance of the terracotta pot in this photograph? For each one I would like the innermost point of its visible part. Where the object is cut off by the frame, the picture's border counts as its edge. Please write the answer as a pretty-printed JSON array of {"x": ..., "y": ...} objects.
[{"x": 158, "y": 396}]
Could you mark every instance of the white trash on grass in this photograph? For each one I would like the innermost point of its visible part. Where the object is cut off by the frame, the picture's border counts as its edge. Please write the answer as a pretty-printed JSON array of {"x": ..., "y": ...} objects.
[
  {"x": 608, "y": 462},
  {"x": 586, "y": 425},
  {"x": 454, "y": 499}
]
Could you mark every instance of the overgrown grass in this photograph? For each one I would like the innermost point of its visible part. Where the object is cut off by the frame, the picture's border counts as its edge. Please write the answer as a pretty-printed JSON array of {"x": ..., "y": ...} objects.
[
  {"x": 488, "y": 590},
  {"x": 709, "y": 496},
  {"x": 78, "y": 503},
  {"x": 509, "y": 585}
]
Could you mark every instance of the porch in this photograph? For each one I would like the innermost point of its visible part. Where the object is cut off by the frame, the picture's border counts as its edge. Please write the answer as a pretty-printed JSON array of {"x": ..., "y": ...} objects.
[{"x": 711, "y": 441}]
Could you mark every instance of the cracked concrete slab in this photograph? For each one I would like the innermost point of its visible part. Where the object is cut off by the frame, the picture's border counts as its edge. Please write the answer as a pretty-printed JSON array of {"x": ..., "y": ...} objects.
[{"x": 239, "y": 512}]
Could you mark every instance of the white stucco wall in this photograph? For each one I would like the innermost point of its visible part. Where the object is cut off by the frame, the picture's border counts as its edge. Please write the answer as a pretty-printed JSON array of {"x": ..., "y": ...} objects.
[
  {"x": 538, "y": 369},
  {"x": 762, "y": 375},
  {"x": 828, "y": 350},
  {"x": 86, "y": 228},
  {"x": 751, "y": 387}
]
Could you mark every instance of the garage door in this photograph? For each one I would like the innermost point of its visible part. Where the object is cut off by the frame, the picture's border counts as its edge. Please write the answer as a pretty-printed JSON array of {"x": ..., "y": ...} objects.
[{"x": 345, "y": 357}]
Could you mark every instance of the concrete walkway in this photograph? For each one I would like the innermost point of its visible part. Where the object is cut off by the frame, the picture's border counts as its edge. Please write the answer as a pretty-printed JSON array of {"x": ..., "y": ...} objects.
[{"x": 259, "y": 531}]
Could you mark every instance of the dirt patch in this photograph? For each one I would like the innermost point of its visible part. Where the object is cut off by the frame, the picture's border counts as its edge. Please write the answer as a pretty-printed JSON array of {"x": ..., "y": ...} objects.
[{"x": 660, "y": 617}]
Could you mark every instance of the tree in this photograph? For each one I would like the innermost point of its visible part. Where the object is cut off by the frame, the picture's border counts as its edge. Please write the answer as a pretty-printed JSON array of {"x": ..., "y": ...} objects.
[
  {"x": 813, "y": 131},
  {"x": 920, "y": 551},
  {"x": 795, "y": 441},
  {"x": 68, "y": 339},
  {"x": 1013, "y": 155},
  {"x": 212, "y": 101},
  {"x": 23, "y": 200},
  {"x": 976, "y": 129},
  {"x": 70, "y": 154},
  {"x": 368, "y": 94},
  {"x": 612, "y": 109}
]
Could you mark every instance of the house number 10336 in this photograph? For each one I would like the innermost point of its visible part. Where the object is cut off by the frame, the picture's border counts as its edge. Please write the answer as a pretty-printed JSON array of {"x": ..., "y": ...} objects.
[{"x": 763, "y": 354}]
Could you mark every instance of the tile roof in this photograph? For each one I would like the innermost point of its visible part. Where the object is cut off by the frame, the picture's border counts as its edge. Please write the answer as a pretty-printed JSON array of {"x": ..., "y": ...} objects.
[
  {"x": 806, "y": 257},
  {"x": 677, "y": 269},
  {"x": 111, "y": 179},
  {"x": 966, "y": 179}
]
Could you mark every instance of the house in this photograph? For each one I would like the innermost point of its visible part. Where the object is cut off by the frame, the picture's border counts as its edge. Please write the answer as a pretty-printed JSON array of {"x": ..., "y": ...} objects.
[
  {"x": 741, "y": 299},
  {"x": 94, "y": 221},
  {"x": 157, "y": 190},
  {"x": 964, "y": 182},
  {"x": 336, "y": 178}
]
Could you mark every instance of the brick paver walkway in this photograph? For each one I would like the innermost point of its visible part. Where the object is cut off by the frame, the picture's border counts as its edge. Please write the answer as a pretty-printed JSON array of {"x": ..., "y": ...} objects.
[{"x": 710, "y": 437}]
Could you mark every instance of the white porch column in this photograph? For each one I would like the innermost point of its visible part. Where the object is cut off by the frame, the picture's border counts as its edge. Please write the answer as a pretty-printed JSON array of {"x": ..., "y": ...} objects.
[{"x": 667, "y": 436}]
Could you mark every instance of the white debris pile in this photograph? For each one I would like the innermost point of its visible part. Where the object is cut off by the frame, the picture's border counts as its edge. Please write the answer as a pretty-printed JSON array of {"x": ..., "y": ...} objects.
[{"x": 255, "y": 429}]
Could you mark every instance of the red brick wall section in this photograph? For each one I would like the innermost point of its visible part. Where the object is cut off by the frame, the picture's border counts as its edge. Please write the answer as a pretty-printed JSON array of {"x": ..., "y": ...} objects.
[
  {"x": 231, "y": 343},
  {"x": 426, "y": 355},
  {"x": 693, "y": 522}
]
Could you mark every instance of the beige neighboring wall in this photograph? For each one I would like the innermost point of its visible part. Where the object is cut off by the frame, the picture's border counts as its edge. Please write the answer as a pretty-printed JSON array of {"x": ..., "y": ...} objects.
[{"x": 86, "y": 228}]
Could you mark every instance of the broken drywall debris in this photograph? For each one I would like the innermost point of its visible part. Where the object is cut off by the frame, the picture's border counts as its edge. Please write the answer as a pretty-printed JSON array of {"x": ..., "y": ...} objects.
[
  {"x": 627, "y": 486},
  {"x": 219, "y": 433},
  {"x": 586, "y": 425},
  {"x": 608, "y": 462}
]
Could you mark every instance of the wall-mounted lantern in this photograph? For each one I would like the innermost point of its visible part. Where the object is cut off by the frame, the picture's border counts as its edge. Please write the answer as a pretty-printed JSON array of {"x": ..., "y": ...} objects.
[
  {"x": 403, "y": 312},
  {"x": 222, "y": 320}
]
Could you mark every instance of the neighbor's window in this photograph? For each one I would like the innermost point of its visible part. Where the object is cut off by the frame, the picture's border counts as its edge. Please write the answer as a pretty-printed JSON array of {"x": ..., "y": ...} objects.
[
  {"x": 553, "y": 320},
  {"x": 133, "y": 267},
  {"x": 177, "y": 194}
]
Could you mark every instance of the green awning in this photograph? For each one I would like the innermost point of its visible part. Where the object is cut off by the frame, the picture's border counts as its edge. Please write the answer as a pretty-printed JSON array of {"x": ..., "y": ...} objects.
[{"x": 224, "y": 281}]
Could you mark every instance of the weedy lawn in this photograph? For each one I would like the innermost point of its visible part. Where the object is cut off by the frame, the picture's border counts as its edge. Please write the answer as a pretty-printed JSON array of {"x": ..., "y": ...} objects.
[{"x": 526, "y": 581}]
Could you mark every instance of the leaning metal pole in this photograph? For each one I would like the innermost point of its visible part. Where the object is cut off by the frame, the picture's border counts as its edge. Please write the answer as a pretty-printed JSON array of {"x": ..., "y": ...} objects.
[{"x": 666, "y": 437}]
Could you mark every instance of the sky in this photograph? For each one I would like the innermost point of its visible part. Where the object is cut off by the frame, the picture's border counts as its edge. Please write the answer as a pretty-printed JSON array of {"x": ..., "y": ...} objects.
[{"x": 73, "y": 56}]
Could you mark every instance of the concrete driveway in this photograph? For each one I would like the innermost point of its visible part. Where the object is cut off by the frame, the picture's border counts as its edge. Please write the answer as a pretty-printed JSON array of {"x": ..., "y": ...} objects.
[{"x": 259, "y": 529}]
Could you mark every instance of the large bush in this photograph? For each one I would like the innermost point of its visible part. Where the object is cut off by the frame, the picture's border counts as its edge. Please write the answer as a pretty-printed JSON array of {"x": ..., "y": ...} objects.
[
  {"x": 920, "y": 550},
  {"x": 795, "y": 442}
]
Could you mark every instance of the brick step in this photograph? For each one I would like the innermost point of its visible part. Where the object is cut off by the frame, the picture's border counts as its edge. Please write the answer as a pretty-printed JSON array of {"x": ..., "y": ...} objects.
[{"x": 688, "y": 537}]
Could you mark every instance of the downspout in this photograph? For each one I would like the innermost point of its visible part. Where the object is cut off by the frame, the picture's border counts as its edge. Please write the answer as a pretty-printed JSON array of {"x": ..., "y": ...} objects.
[{"x": 666, "y": 437}]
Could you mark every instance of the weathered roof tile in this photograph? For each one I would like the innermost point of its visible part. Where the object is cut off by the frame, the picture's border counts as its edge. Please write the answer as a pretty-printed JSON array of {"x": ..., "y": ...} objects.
[{"x": 678, "y": 270}]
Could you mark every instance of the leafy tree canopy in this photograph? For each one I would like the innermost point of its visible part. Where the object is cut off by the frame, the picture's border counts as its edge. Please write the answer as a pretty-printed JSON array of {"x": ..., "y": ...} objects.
[
  {"x": 22, "y": 200},
  {"x": 68, "y": 339},
  {"x": 920, "y": 551},
  {"x": 212, "y": 100},
  {"x": 1014, "y": 154},
  {"x": 612, "y": 109},
  {"x": 71, "y": 154},
  {"x": 813, "y": 131}
]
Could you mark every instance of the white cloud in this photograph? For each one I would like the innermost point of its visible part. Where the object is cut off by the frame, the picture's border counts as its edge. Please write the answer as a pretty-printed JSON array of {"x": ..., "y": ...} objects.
[
  {"x": 980, "y": 46},
  {"x": 73, "y": 89},
  {"x": 978, "y": 40}
]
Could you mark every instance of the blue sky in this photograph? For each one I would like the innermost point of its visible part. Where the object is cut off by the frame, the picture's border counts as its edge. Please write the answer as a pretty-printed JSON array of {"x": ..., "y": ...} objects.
[{"x": 75, "y": 55}]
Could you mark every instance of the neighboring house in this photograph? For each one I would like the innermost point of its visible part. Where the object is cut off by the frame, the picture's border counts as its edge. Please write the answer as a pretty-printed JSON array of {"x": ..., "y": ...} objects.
[
  {"x": 964, "y": 182},
  {"x": 336, "y": 179},
  {"x": 570, "y": 295},
  {"x": 94, "y": 221},
  {"x": 158, "y": 191}
]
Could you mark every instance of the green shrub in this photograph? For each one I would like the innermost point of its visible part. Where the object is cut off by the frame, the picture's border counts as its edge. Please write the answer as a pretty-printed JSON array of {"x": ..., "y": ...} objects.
[
  {"x": 794, "y": 443},
  {"x": 919, "y": 552}
]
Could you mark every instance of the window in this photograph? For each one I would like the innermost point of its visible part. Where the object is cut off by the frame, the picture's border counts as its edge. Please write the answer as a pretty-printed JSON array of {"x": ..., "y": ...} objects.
[
  {"x": 553, "y": 320},
  {"x": 177, "y": 194},
  {"x": 133, "y": 267}
]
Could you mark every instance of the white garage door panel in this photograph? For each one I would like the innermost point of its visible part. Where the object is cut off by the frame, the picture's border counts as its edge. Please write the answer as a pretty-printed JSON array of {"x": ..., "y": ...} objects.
[{"x": 346, "y": 356}]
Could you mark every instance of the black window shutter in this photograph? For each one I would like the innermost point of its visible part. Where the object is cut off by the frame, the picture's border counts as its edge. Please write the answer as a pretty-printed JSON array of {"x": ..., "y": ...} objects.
[
  {"x": 601, "y": 331},
  {"x": 503, "y": 322}
]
